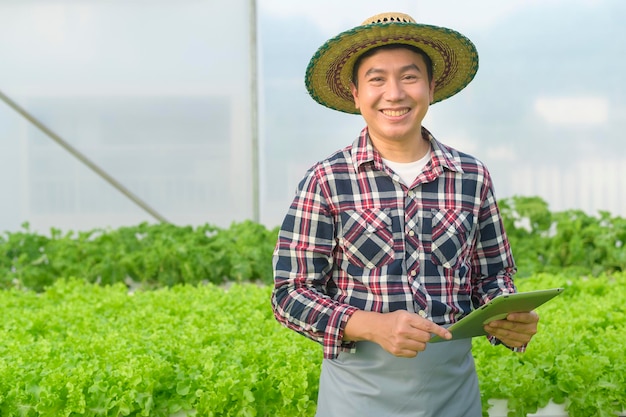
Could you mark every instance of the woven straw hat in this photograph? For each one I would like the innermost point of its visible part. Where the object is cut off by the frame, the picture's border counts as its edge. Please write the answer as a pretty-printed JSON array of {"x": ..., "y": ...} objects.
[{"x": 329, "y": 74}]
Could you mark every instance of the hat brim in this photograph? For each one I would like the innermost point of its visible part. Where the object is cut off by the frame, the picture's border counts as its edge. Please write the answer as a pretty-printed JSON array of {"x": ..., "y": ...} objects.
[{"x": 329, "y": 73}]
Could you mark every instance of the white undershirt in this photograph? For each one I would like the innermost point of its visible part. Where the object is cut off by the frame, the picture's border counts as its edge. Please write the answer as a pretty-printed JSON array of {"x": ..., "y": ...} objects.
[{"x": 408, "y": 171}]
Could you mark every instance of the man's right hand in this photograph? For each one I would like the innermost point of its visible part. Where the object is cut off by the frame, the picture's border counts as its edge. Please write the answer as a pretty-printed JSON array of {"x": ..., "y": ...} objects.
[{"x": 400, "y": 333}]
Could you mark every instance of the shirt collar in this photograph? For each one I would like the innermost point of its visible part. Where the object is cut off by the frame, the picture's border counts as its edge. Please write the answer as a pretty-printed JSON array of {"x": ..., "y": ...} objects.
[
  {"x": 441, "y": 154},
  {"x": 363, "y": 152}
]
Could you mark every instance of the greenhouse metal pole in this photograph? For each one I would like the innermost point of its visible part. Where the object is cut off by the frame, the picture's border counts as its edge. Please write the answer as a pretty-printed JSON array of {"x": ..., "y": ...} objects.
[
  {"x": 82, "y": 158},
  {"x": 254, "y": 115}
]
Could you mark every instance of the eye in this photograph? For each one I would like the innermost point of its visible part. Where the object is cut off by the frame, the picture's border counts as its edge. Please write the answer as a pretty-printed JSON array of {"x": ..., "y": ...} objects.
[{"x": 376, "y": 80}]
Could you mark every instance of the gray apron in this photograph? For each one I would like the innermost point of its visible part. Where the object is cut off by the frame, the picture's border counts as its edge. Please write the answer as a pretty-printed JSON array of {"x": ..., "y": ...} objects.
[{"x": 440, "y": 382}]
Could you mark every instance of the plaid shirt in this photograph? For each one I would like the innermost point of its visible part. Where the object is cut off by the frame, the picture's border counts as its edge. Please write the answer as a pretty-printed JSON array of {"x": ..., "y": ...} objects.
[{"x": 355, "y": 237}]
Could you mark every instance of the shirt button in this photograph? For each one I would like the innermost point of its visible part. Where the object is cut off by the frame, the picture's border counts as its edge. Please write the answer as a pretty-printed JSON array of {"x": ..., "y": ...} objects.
[
  {"x": 413, "y": 273},
  {"x": 422, "y": 313},
  {"x": 411, "y": 233}
]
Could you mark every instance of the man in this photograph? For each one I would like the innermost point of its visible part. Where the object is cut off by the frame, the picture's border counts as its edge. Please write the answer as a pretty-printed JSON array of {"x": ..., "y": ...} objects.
[{"x": 395, "y": 237}]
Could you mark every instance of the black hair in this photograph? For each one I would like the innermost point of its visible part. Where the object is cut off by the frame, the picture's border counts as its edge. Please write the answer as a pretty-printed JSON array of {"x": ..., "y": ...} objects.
[{"x": 391, "y": 46}]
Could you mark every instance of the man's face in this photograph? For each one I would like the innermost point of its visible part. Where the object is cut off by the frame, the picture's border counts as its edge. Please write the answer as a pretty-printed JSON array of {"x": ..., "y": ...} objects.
[{"x": 393, "y": 94}]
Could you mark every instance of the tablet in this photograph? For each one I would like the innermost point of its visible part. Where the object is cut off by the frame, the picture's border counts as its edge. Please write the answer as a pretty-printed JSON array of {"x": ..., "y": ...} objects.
[{"x": 497, "y": 309}]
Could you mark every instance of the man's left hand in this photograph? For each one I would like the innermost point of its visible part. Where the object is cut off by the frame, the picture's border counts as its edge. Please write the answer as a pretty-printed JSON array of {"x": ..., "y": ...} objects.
[{"x": 516, "y": 330}]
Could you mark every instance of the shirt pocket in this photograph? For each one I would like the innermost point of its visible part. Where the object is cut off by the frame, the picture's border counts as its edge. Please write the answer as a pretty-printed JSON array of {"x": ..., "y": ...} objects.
[
  {"x": 366, "y": 237},
  {"x": 451, "y": 231}
]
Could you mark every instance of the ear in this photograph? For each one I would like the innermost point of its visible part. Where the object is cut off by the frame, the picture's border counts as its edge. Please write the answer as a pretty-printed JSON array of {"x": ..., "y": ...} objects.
[{"x": 355, "y": 95}]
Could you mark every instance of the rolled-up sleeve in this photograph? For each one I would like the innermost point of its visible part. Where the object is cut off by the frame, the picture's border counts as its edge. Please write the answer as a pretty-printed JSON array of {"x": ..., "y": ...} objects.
[
  {"x": 303, "y": 263},
  {"x": 493, "y": 264}
]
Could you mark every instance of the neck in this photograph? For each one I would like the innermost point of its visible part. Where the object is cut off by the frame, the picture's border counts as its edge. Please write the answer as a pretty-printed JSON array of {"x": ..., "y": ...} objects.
[{"x": 397, "y": 150}]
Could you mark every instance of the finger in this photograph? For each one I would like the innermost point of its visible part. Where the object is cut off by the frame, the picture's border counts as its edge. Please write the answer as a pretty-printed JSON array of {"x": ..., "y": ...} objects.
[
  {"x": 512, "y": 339},
  {"x": 525, "y": 317},
  {"x": 431, "y": 328},
  {"x": 511, "y": 336},
  {"x": 523, "y": 325},
  {"x": 504, "y": 327},
  {"x": 425, "y": 328},
  {"x": 408, "y": 348},
  {"x": 405, "y": 353}
]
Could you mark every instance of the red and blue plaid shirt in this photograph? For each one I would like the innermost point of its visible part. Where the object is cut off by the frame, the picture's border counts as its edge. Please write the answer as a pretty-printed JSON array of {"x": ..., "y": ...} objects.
[{"x": 355, "y": 237}]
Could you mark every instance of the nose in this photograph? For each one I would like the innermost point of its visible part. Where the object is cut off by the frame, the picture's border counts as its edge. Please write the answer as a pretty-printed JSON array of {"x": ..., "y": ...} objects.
[{"x": 394, "y": 90}]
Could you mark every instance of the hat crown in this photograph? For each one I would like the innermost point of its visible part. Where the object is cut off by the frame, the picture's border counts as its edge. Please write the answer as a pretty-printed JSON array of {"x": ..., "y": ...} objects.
[{"x": 389, "y": 17}]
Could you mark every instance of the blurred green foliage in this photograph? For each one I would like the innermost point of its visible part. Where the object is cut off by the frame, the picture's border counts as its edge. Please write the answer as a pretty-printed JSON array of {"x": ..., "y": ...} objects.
[
  {"x": 155, "y": 255},
  {"x": 568, "y": 242},
  {"x": 146, "y": 255}
]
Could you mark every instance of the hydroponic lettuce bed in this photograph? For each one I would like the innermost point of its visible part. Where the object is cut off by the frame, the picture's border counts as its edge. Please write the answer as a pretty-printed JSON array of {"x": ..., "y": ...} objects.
[
  {"x": 577, "y": 359},
  {"x": 80, "y": 349}
]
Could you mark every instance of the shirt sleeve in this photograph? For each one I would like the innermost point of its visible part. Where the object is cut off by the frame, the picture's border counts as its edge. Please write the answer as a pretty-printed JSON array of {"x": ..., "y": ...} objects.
[
  {"x": 303, "y": 263},
  {"x": 493, "y": 266}
]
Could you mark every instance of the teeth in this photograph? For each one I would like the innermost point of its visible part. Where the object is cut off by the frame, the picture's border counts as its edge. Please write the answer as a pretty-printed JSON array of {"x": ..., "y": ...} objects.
[{"x": 395, "y": 113}]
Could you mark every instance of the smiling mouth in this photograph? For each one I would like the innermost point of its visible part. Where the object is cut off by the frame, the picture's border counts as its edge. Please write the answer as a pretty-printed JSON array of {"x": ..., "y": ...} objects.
[{"x": 395, "y": 113}]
